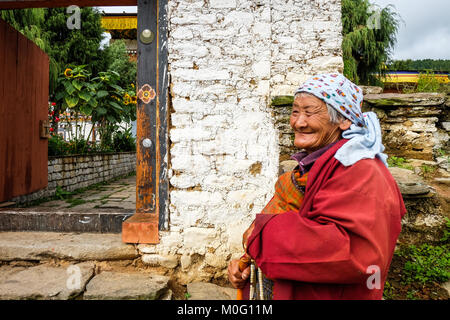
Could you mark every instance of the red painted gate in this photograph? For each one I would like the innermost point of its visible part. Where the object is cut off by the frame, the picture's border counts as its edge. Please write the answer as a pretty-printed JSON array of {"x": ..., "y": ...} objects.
[{"x": 23, "y": 104}]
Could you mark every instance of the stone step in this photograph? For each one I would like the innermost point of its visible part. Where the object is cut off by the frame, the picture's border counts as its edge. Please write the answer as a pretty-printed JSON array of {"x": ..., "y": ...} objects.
[
  {"x": 44, "y": 282},
  {"x": 127, "y": 286},
  {"x": 38, "y": 246},
  {"x": 17, "y": 219},
  {"x": 210, "y": 291},
  {"x": 79, "y": 281}
]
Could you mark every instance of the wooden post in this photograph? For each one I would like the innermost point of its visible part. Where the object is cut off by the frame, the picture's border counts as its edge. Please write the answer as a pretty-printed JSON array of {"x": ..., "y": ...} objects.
[{"x": 152, "y": 134}]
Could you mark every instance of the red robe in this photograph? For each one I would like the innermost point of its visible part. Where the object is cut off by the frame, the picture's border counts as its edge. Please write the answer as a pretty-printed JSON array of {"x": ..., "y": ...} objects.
[{"x": 346, "y": 228}]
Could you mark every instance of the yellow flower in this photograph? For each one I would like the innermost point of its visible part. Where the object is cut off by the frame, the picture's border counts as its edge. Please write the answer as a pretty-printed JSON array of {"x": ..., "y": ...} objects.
[{"x": 68, "y": 73}]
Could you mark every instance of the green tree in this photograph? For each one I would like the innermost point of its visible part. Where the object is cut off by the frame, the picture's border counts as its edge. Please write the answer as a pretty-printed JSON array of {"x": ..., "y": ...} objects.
[
  {"x": 48, "y": 29},
  {"x": 420, "y": 65},
  {"x": 400, "y": 65},
  {"x": 117, "y": 59},
  {"x": 76, "y": 46},
  {"x": 28, "y": 22},
  {"x": 368, "y": 39}
]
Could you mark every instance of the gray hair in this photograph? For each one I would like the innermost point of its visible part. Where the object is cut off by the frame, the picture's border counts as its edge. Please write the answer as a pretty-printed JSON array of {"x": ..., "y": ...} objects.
[{"x": 335, "y": 116}]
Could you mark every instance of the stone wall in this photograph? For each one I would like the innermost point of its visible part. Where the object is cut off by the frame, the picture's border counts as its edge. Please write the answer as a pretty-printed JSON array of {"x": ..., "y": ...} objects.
[
  {"x": 227, "y": 58},
  {"x": 80, "y": 171},
  {"x": 414, "y": 126}
]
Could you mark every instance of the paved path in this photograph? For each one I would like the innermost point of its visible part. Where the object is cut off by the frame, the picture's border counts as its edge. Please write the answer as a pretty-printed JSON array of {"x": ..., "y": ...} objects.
[{"x": 118, "y": 195}]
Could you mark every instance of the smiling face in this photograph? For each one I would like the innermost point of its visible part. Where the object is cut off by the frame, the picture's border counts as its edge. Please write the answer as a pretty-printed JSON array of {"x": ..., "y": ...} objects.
[{"x": 311, "y": 124}]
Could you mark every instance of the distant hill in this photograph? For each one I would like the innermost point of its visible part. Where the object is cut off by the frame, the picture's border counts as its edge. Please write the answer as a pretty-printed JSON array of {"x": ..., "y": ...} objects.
[{"x": 420, "y": 65}]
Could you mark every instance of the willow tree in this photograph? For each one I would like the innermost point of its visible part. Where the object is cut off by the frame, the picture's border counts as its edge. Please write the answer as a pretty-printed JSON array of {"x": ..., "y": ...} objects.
[
  {"x": 30, "y": 23},
  {"x": 369, "y": 36},
  {"x": 48, "y": 29}
]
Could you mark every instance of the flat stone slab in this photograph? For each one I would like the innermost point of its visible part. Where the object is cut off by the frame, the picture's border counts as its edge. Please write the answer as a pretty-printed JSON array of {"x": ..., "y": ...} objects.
[
  {"x": 445, "y": 181},
  {"x": 210, "y": 291},
  {"x": 45, "y": 282},
  {"x": 397, "y": 99},
  {"x": 126, "y": 286},
  {"x": 413, "y": 189},
  {"x": 405, "y": 176},
  {"x": 66, "y": 246}
]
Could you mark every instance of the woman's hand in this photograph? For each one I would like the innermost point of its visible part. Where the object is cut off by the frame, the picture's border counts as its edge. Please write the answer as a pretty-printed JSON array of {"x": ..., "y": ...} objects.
[{"x": 236, "y": 277}]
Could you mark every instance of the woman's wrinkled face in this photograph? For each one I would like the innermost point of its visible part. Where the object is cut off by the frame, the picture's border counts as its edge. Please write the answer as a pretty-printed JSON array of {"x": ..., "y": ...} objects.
[{"x": 311, "y": 124}]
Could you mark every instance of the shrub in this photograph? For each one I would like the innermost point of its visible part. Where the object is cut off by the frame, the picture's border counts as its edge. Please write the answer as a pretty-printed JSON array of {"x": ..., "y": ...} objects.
[
  {"x": 124, "y": 141},
  {"x": 427, "y": 82},
  {"x": 426, "y": 263},
  {"x": 57, "y": 146}
]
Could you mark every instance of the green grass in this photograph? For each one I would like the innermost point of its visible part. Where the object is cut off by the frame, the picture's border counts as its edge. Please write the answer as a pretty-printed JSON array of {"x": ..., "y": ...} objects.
[
  {"x": 399, "y": 162},
  {"x": 76, "y": 201},
  {"x": 418, "y": 270},
  {"x": 426, "y": 263}
]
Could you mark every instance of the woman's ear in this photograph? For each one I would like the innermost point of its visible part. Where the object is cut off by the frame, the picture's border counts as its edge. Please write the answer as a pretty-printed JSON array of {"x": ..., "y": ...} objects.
[{"x": 345, "y": 124}]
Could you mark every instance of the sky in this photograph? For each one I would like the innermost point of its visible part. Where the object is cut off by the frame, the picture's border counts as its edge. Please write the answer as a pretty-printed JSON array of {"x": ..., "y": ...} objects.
[{"x": 424, "y": 32}]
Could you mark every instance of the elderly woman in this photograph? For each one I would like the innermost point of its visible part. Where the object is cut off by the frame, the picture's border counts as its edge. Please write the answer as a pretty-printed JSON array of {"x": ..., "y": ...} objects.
[{"x": 330, "y": 230}]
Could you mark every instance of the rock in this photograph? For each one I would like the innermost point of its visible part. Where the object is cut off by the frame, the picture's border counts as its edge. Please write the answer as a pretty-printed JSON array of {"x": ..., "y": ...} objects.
[
  {"x": 371, "y": 90},
  {"x": 443, "y": 162},
  {"x": 445, "y": 181},
  {"x": 446, "y": 125},
  {"x": 413, "y": 189},
  {"x": 396, "y": 99},
  {"x": 287, "y": 165},
  {"x": 7, "y": 271},
  {"x": 405, "y": 176},
  {"x": 170, "y": 262},
  {"x": 446, "y": 286},
  {"x": 126, "y": 286},
  {"x": 210, "y": 291},
  {"x": 67, "y": 246},
  {"x": 47, "y": 282}
]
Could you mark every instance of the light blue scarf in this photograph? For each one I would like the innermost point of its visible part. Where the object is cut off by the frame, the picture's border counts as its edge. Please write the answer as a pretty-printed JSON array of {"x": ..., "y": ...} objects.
[{"x": 365, "y": 141}]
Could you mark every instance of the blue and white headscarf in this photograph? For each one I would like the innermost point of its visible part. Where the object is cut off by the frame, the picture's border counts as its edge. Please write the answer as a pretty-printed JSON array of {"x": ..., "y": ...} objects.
[{"x": 364, "y": 134}]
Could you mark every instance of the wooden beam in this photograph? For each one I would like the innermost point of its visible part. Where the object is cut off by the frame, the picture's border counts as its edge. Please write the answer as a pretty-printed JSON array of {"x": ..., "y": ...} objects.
[
  {"x": 22, "y": 4},
  {"x": 152, "y": 185}
]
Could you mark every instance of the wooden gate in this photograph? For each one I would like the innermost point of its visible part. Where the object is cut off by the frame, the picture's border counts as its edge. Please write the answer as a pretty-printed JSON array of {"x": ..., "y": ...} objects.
[
  {"x": 152, "y": 185},
  {"x": 23, "y": 104}
]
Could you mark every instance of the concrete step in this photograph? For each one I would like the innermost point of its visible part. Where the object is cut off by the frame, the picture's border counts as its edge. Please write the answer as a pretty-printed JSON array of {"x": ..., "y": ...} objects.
[
  {"x": 17, "y": 219},
  {"x": 64, "y": 246}
]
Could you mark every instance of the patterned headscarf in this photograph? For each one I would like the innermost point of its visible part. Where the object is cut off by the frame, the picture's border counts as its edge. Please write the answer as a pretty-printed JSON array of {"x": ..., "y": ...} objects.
[
  {"x": 364, "y": 134},
  {"x": 339, "y": 92}
]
